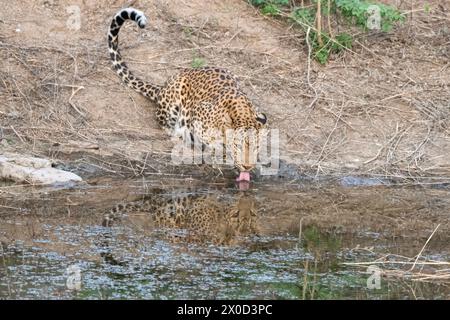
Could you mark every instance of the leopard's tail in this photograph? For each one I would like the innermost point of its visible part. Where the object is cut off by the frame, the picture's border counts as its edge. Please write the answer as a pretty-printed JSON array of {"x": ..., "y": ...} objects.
[
  {"x": 146, "y": 89},
  {"x": 119, "y": 211}
]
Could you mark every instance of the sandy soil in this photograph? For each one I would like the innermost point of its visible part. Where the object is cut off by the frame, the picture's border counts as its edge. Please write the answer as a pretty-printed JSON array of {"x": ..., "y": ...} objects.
[{"x": 383, "y": 110}]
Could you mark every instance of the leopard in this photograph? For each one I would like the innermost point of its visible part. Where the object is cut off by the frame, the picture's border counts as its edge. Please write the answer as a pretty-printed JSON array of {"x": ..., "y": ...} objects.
[
  {"x": 192, "y": 218},
  {"x": 205, "y": 102}
]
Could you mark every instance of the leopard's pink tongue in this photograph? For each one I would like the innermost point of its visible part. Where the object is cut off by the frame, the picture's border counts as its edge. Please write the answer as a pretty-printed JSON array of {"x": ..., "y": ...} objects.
[{"x": 243, "y": 176}]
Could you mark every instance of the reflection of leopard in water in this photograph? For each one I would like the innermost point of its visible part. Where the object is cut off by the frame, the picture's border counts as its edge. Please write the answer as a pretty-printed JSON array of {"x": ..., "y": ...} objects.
[{"x": 203, "y": 217}]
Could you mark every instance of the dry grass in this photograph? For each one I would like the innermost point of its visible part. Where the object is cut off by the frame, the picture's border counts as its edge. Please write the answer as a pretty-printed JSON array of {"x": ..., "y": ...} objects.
[
  {"x": 38, "y": 98},
  {"x": 416, "y": 268}
]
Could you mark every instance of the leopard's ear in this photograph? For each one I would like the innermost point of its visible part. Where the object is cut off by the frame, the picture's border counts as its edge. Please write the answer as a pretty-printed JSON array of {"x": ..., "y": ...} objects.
[{"x": 261, "y": 117}]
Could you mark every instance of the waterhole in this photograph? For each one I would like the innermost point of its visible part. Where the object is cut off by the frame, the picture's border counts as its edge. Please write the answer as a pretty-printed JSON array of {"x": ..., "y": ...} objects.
[{"x": 173, "y": 239}]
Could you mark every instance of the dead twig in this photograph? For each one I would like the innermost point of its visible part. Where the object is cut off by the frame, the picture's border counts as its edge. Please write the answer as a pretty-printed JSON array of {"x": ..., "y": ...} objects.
[{"x": 308, "y": 72}]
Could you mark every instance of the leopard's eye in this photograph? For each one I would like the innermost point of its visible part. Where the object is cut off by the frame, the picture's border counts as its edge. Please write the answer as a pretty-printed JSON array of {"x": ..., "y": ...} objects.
[
  {"x": 261, "y": 117},
  {"x": 234, "y": 214}
]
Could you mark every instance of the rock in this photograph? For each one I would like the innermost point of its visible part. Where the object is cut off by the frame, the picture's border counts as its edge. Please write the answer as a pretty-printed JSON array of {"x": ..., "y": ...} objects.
[
  {"x": 33, "y": 170},
  {"x": 24, "y": 161}
]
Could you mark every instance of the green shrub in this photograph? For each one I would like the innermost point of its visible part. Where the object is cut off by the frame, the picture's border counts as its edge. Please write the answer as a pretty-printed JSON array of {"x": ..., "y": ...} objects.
[{"x": 355, "y": 12}]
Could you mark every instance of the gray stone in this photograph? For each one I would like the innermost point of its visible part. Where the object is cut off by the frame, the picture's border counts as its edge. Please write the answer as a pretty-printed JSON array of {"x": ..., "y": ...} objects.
[{"x": 32, "y": 170}]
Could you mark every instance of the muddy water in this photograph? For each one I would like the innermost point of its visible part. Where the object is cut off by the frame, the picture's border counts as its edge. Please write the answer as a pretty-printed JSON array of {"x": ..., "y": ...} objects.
[{"x": 282, "y": 241}]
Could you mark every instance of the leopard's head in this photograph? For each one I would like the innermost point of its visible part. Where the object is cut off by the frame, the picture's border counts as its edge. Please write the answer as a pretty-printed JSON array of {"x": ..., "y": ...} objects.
[
  {"x": 242, "y": 217},
  {"x": 244, "y": 140}
]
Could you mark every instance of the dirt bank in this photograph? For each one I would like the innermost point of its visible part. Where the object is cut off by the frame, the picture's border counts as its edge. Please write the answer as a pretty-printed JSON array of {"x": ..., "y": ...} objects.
[{"x": 383, "y": 110}]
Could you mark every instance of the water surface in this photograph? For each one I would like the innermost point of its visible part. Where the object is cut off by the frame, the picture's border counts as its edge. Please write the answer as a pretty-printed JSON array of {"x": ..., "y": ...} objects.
[{"x": 292, "y": 248}]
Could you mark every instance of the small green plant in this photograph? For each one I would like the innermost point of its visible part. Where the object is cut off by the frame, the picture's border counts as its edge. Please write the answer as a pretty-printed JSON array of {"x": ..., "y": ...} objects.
[
  {"x": 198, "y": 62},
  {"x": 260, "y": 3},
  {"x": 270, "y": 7},
  {"x": 327, "y": 45},
  {"x": 188, "y": 31},
  {"x": 304, "y": 15}
]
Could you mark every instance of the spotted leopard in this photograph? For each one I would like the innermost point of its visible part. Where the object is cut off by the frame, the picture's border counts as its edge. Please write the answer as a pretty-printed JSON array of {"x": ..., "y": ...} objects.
[{"x": 203, "y": 101}]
